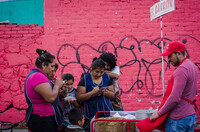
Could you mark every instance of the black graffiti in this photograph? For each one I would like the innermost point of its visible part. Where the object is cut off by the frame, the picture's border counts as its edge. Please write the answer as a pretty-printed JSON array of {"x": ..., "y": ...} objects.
[{"x": 138, "y": 84}]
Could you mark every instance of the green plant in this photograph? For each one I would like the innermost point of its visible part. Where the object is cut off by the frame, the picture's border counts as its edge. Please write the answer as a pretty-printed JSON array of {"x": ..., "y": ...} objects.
[{"x": 22, "y": 125}]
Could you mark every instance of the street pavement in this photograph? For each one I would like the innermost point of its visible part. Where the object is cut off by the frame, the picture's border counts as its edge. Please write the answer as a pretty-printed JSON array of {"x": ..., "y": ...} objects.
[{"x": 16, "y": 130}]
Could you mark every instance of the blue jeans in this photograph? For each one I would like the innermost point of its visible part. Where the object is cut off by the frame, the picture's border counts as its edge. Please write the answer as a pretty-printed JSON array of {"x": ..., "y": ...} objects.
[{"x": 182, "y": 125}]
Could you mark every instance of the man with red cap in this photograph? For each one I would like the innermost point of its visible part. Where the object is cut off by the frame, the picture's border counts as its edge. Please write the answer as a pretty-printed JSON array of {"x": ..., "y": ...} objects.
[{"x": 180, "y": 101}]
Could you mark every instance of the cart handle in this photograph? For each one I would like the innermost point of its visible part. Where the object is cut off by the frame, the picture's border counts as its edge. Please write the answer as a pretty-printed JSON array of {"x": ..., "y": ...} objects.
[{"x": 100, "y": 112}]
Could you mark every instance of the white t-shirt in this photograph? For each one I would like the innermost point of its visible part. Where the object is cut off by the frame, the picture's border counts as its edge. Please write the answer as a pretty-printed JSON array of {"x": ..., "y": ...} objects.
[{"x": 116, "y": 70}]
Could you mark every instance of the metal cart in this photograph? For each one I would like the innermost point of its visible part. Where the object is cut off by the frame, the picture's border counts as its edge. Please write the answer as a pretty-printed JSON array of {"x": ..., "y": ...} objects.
[{"x": 113, "y": 120}]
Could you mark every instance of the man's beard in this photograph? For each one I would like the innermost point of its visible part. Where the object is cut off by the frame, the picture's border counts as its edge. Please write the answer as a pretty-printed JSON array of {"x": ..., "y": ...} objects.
[{"x": 177, "y": 62}]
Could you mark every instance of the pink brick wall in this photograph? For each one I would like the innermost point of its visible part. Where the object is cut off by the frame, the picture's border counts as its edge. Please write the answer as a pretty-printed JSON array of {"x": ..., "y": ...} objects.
[
  {"x": 76, "y": 31},
  {"x": 17, "y": 56}
]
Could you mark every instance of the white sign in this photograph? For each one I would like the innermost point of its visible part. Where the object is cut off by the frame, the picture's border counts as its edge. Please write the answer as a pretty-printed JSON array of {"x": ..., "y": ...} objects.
[{"x": 161, "y": 8}]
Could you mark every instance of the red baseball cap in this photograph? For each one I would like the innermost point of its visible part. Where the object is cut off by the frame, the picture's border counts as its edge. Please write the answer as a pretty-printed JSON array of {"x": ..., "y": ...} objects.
[{"x": 173, "y": 47}]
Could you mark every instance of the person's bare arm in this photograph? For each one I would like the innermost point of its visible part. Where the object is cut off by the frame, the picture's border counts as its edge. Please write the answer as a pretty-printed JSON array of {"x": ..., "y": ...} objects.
[
  {"x": 46, "y": 91},
  {"x": 83, "y": 96},
  {"x": 76, "y": 104},
  {"x": 112, "y": 75}
]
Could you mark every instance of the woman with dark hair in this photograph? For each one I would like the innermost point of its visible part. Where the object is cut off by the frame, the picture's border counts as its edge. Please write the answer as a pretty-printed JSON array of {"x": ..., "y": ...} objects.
[
  {"x": 44, "y": 112},
  {"x": 95, "y": 89}
]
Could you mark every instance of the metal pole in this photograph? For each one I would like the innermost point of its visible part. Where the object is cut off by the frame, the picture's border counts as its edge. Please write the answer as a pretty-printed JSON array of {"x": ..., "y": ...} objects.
[{"x": 163, "y": 76}]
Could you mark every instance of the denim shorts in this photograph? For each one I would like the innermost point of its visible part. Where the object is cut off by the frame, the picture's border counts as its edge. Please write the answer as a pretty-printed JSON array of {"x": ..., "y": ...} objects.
[{"x": 186, "y": 124}]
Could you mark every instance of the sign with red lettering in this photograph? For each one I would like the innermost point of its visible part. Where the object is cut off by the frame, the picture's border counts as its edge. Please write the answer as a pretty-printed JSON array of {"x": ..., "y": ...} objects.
[{"x": 161, "y": 8}]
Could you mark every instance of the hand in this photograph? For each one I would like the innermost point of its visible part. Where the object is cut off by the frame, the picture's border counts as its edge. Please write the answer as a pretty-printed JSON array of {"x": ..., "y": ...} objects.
[
  {"x": 154, "y": 116},
  {"x": 70, "y": 101},
  {"x": 73, "y": 101},
  {"x": 59, "y": 82},
  {"x": 105, "y": 91},
  {"x": 107, "y": 72},
  {"x": 95, "y": 91},
  {"x": 101, "y": 90}
]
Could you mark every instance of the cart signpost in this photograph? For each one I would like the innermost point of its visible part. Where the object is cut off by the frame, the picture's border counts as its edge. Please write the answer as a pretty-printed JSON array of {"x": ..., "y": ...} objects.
[{"x": 158, "y": 10}]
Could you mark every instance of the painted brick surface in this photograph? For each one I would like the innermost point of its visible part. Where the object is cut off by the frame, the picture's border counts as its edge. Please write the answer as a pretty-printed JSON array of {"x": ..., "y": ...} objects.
[
  {"x": 17, "y": 56},
  {"x": 76, "y": 31}
]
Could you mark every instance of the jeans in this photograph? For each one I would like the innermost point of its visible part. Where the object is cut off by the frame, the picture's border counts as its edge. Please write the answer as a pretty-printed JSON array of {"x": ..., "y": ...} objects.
[{"x": 182, "y": 125}]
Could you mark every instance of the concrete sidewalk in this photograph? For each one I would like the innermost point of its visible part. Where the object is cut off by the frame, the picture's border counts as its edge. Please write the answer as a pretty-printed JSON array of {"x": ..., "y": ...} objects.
[{"x": 16, "y": 130}]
